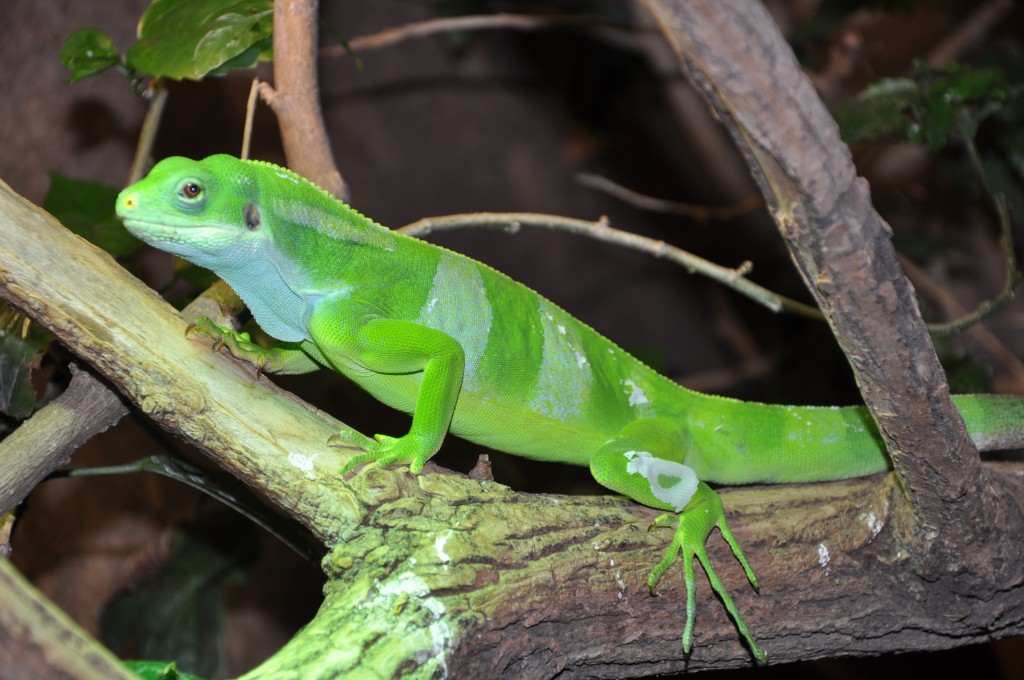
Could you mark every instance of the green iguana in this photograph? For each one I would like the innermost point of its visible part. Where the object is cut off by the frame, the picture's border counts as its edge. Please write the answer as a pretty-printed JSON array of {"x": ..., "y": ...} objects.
[{"x": 466, "y": 349}]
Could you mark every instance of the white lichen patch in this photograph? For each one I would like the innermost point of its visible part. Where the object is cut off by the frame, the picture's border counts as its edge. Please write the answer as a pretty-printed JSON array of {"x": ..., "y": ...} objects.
[
  {"x": 439, "y": 544},
  {"x": 620, "y": 583},
  {"x": 873, "y": 522},
  {"x": 403, "y": 591},
  {"x": 304, "y": 463}
]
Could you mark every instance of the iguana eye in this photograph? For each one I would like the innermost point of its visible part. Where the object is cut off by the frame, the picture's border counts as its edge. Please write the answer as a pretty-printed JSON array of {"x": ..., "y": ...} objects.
[{"x": 191, "y": 190}]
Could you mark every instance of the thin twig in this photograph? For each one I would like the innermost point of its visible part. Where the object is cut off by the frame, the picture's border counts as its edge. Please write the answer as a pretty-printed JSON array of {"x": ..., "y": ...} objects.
[
  {"x": 734, "y": 278},
  {"x": 844, "y": 56},
  {"x": 269, "y": 96},
  {"x": 250, "y": 115},
  {"x": 500, "y": 21},
  {"x": 931, "y": 289},
  {"x": 701, "y": 213},
  {"x": 157, "y": 96},
  {"x": 1011, "y": 276},
  {"x": 968, "y": 32}
]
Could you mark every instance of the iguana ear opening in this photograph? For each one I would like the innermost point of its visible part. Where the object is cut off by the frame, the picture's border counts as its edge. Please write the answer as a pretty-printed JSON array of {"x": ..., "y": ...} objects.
[{"x": 252, "y": 216}]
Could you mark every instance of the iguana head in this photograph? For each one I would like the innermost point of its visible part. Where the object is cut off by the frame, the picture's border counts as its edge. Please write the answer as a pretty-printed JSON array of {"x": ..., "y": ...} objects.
[{"x": 204, "y": 211}]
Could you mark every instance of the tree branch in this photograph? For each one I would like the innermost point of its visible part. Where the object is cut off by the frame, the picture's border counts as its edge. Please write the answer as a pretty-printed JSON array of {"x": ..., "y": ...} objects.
[
  {"x": 436, "y": 572},
  {"x": 599, "y": 230},
  {"x": 41, "y": 641},
  {"x": 46, "y": 441},
  {"x": 740, "y": 61},
  {"x": 295, "y": 97}
]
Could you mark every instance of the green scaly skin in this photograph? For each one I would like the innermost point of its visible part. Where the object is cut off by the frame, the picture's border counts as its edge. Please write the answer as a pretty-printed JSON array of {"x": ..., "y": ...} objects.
[{"x": 465, "y": 349}]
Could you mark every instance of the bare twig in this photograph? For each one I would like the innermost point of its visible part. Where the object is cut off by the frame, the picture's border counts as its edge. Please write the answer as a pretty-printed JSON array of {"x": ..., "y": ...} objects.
[
  {"x": 734, "y": 278},
  {"x": 499, "y": 21},
  {"x": 929, "y": 288},
  {"x": 969, "y": 31},
  {"x": 1011, "y": 275},
  {"x": 250, "y": 115},
  {"x": 46, "y": 441},
  {"x": 843, "y": 57},
  {"x": 157, "y": 96},
  {"x": 701, "y": 213}
]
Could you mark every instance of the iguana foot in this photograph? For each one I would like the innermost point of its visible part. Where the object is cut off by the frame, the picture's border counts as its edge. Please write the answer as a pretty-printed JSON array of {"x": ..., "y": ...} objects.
[
  {"x": 692, "y": 527},
  {"x": 240, "y": 345},
  {"x": 386, "y": 451}
]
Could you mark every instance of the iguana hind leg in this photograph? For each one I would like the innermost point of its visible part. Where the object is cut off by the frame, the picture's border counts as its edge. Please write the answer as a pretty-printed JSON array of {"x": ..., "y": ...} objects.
[{"x": 644, "y": 462}]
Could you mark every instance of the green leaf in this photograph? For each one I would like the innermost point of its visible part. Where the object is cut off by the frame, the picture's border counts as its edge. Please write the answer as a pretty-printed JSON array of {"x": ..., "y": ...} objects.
[
  {"x": 158, "y": 670},
  {"x": 21, "y": 343},
  {"x": 88, "y": 51},
  {"x": 880, "y": 111},
  {"x": 261, "y": 51},
  {"x": 936, "y": 122},
  {"x": 87, "y": 209},
  {"x": 927, "y": 107},
  {"x": 194, "y": 38},
  {"x": 180, "y": 613},
  {"x": 343, "y": 41}
]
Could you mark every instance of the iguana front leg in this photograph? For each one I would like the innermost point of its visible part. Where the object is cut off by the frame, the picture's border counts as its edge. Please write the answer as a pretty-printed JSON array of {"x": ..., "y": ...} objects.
[
  {"x": 644, "y": 462},
  {"x": 402, "y": 363}
]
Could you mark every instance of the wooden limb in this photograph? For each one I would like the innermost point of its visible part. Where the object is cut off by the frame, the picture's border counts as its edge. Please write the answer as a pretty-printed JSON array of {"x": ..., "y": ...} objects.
[
  {"x": 41, "y": 641},
  {"x": 699, "y": 213},
  {"x": 46, "y": 441},
  {"x": 501, "y": 21},
  {"x": 127, "y": 337},
  {"x": 733, "y": 278},
  {"x": 296, "y": 94},
  {"x": 739, "y": 60},
  {"x": 839, "y": 242}
]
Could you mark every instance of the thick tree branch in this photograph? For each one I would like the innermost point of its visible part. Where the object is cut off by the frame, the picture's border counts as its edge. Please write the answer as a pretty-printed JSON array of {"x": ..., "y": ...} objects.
[
  {"x": 41, "y": 641},
  {"x": 46, "y": 441},
  {"x": 295, "y": 97},
  {"x": 740, "y": 61}
]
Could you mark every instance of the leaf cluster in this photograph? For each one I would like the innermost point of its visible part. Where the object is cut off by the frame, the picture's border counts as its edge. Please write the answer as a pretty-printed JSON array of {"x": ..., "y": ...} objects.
[
  {"x": 179, "y": 39},
  {"x": 929, "y": 106}
]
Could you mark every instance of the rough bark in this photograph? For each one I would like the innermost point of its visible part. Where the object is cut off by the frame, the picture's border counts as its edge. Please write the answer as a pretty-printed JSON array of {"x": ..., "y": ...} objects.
[
  {"x": 41, "y": 641},
  {"x": 86, "y": 408},
  {"x": 842, "y": 247}
]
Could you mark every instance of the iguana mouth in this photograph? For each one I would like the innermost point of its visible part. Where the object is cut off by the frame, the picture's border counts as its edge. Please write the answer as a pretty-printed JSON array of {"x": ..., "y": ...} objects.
[
  {"x": 181, "y": 239},
  {"x": 169, "y": 228}
]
